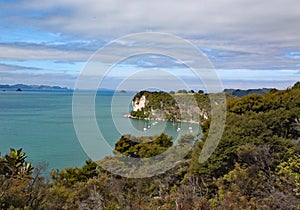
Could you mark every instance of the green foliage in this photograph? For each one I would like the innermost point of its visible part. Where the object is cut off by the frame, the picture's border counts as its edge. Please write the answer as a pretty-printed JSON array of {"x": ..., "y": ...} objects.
[
  {"x": 20, "y": 186},
  {"x": 172, "y": 92},
  {"x": 248, "y": 103},
  {"x": 173, "y": 107},
  {"x": 182, "y": 91},
  {"x": 290, "y": 171},
  {"x": 253, "y": 161},
  {"x": 157, "y": 101},
  {"x": 255, "y": 166},
  {"x": 14, "y": 164},
  {"x": 140, "y": 114},
  {"x": 70, "y": 176},
  {"x": 296, "y": 85},
  {"x": 143, "y": 147}
]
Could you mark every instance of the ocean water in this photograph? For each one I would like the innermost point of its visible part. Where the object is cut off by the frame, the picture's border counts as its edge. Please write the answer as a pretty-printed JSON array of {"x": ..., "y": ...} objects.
[{"x": 41, "y": 123}]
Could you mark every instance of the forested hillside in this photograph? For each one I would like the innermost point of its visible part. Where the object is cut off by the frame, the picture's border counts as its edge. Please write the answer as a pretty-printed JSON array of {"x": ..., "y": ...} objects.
[
  {"x": 255, "y": 166},
  {"x": 241, "y": 93}
]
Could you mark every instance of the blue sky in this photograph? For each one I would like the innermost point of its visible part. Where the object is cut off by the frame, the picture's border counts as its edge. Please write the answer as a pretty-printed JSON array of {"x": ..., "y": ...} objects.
[{"x": 250, "y": 43}]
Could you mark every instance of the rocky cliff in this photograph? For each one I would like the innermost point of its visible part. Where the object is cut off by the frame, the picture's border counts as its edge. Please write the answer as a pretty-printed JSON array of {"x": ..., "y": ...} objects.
[{"x": 138, "y": 104}]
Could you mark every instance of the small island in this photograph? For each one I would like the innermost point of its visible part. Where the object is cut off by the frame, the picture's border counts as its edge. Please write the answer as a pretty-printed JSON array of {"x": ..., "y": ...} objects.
[{"x": 21, "y": 87}]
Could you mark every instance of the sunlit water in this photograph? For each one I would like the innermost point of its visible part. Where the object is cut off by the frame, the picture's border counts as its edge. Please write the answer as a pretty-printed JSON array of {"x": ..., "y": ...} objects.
[{"x": 41, "y": 123}]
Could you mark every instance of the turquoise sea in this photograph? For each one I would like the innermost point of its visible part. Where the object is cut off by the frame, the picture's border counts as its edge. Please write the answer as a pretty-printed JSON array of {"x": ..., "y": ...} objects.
[{"x": 41, "y": 123}]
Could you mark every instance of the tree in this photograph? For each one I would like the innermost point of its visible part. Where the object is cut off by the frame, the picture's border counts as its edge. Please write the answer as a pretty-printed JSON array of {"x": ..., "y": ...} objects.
[
  {"x": 182, "y": 91},
  {"x": 70, "y": 176},
  {"x": 14, "y": 164},
  {"x": 140, "y": 147},
  {"x": 20, "y": 185},
  {"x": 296, "y": 85}
]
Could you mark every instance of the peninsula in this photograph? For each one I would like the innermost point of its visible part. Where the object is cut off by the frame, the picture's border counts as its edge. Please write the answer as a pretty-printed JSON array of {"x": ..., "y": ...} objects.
[{"x": 180, "y": 107}]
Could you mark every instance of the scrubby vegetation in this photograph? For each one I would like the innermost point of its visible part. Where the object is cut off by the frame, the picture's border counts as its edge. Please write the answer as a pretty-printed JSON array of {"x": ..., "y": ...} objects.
[
  {"x": 255, "y": 166},
  {"x": 143, "y": 147}
]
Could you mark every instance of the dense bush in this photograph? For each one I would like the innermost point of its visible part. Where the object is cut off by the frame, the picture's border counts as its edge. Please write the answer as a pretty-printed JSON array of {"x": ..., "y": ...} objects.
[{"x": 255, "y": 166}]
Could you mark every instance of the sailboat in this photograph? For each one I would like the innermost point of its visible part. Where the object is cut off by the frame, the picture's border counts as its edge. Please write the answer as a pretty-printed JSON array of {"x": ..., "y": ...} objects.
[
  {"x": 147, "y": 125},
  {"x": 178, "y": 127}
]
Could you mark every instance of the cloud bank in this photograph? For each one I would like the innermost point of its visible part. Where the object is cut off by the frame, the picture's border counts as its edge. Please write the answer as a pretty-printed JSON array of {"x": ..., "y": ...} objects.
[{"x": 235, "y": 34}]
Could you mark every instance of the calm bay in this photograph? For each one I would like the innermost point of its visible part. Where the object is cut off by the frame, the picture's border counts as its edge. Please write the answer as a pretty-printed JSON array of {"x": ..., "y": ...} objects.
[{"x": 41, "y": 123}]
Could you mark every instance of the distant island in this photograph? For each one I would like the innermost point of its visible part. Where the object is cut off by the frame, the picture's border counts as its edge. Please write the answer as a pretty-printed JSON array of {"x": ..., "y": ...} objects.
[
  {"x": 241, "y": 93},
  {"x": 20, "y": 87}
]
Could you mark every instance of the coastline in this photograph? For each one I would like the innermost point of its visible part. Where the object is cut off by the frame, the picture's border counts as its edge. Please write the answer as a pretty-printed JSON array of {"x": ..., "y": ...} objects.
[{"x": 160, "y": 119}]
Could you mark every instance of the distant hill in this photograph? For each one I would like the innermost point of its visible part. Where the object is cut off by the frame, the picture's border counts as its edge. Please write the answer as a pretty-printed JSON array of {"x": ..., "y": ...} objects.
[
  {"x": 241, "y": 93},
  {"x": 31, "y": 87}
]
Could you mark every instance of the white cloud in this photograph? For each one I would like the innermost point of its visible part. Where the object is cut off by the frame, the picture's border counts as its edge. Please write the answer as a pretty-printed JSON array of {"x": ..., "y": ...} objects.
[
  {"x": 19, "y": 52},
  {"x": 241, "y": 34},
  {"x": 269, "y": 20},
  {"x": 257, "y": 27}
]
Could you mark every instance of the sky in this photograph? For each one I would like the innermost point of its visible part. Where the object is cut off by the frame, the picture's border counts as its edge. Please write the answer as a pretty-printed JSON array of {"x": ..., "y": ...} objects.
[{"x": 250, "y": 43}]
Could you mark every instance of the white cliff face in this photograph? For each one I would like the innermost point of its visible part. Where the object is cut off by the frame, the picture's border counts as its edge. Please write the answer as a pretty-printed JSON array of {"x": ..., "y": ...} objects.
[
  {"x": 204, "y": 114},
  {"x": 139, "y": 103}
]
